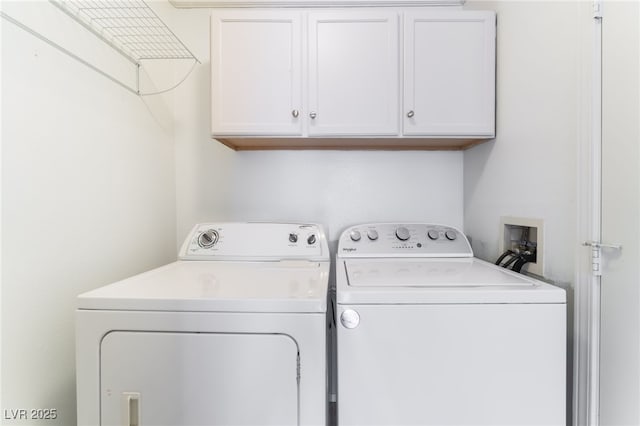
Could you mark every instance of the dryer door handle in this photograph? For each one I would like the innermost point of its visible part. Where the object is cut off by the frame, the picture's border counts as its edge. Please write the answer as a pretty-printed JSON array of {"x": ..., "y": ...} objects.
[{"x": 131, "y": 409}]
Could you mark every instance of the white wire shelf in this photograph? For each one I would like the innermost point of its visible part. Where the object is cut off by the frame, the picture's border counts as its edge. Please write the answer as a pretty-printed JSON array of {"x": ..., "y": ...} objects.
[{"x": 131, "y": 27}]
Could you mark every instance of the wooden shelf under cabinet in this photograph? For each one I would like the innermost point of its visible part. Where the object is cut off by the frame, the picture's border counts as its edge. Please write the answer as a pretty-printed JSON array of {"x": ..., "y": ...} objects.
[{"x": 425, "y": 144}]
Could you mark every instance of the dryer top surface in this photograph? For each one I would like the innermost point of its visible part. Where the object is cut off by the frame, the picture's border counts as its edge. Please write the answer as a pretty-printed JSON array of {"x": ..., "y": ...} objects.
[{"x": 215, "y": 286}]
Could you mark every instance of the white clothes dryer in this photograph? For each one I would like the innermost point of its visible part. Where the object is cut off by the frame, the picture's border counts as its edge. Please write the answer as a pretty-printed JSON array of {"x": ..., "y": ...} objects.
[
  {"x": 233, "y": 333},
  {"x": 429, "y": 335}
]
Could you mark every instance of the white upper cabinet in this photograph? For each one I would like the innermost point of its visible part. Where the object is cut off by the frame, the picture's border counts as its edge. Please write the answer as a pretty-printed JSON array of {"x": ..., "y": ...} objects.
[
  {"x": 398, "y": 77},
  {"x": 256, "y": 70},
  {"x": 449, "y": 73},
  {"x": 353, "y": 74}
]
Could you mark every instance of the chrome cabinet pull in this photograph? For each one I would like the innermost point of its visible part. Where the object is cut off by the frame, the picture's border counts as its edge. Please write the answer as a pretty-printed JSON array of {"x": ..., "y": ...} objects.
[
  {"x": 410, "y": 114},
  {"x": 313, "y": 115},
  {"x": 295, "y": 113}
]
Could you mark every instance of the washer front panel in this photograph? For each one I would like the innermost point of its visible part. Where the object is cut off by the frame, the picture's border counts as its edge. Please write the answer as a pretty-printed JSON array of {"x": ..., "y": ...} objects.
[{"x": 462, "y": 365}]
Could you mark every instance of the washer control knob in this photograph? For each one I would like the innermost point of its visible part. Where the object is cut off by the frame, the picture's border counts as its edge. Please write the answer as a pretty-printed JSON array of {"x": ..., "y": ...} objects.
[
  {"x": 372, "y": 234},
  {"x": 311, "y": 239},
  {"x": 433, "y": 234},
  {"x": 208, "y": 238},
  {"x": 451, "y": 235},
  {"x": 355, "y": 235},
  {"x": 402, "y": 233},
  {"x": 293, "y": 237},
  {"x": 349, "y": 318}
]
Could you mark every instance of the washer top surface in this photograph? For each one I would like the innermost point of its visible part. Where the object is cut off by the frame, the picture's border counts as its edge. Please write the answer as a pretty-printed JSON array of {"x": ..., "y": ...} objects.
[
  {"x": 269, "y": 268},
  {"x": 427, "y": 273},
  {"x": 426, "y": 264}
]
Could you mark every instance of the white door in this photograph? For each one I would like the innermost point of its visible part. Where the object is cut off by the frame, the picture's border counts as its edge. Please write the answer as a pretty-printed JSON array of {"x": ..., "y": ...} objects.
[
  {"x": 449, "y": 73},
  {"x": 353, "y": 73},
  {"x": 170, "y": 379},
  {"x": 620, "y": 288},
  {"x": 256, "y": 72}
]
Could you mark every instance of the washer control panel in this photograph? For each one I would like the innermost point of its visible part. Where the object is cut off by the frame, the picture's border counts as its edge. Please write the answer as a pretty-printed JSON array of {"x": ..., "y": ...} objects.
[
  {"x": 403, "y": 240},
  {"x": 258, "y": 241}
]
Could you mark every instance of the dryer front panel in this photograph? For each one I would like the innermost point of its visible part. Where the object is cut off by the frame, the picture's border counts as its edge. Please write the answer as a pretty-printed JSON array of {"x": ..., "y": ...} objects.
[{"x": 163, "y": 378}]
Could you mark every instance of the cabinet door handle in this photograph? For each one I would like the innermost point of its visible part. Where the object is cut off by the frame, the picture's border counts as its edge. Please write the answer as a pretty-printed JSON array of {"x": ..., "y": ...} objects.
[
  {"x": 295, "y": 113},
  {"x": 410, "y": 114},
  {"x": 313, "y": 115}
]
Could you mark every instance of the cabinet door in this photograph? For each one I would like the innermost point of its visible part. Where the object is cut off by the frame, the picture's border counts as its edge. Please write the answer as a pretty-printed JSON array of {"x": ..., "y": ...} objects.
[
  {"x": 256, "y": 73},
  {"x": 353, "y": 73},
  {"x": 449, "y": 73}
]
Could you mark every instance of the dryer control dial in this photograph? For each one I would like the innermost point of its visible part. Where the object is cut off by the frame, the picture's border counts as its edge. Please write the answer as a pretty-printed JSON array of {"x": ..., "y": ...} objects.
[
  {"x": 208, "y": 238},
  {"x": 372, "y": 234},
  {"x": 402, "y": 233},
  {"x": 355, "y": 235},
  {"x": 433, "y": 234},
  {"x": 451, "y": 235}
]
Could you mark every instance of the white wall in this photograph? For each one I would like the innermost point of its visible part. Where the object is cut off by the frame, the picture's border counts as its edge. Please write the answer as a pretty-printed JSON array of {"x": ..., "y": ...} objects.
[
  {"x": 530, "y": 168},
  {"x": 335, "y": 188},
  {"x": 88, "y": 197}
]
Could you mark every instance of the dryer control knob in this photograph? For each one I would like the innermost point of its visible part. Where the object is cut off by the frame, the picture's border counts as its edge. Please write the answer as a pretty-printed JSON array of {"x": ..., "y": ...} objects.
[
  {"x": 355, "y": 235},
  {"x": 451, "y": 235},
  {"x": 402, "y": 233},
  {"x": 208, "y": 238},
  {"x": 372, "y": 234},
  {"x": 433, "y": 234},
  {"x": 349, "y": 318},
  {"x": 293, "y": 237},
  {"x": 311, "y": 239}
]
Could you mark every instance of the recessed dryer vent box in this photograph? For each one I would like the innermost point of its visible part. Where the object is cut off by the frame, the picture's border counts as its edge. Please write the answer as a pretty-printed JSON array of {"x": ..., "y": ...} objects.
[{"x": 512, "y": 230}]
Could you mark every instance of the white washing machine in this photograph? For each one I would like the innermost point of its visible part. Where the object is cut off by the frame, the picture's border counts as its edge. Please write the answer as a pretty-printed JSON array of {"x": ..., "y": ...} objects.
[
  {"x": 233, "y": 333},
  {"x": 429, "y": 335}
]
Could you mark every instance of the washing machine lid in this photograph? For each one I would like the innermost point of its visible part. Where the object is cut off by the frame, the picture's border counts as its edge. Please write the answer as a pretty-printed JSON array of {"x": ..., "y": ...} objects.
[
  {"x": 452, "y": 280},
  {"x": 214, "y": 286}
]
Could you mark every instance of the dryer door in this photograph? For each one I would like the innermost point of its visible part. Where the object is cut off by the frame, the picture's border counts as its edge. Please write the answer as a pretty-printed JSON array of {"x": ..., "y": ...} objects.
[{"x": 155, "y": 378}]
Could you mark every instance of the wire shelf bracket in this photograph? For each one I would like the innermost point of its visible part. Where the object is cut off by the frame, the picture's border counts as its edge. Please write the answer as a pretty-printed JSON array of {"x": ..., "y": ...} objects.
[{"x": 130, "y": 27}]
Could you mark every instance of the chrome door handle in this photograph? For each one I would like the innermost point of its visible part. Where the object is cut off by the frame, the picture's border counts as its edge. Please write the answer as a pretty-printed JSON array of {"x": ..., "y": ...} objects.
[
  {"x": 410, "y": 114},
  {"x": 313, "y": 115},
  {"x": 295, "y": 113},
  {"x": 596, "y": 244}
]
